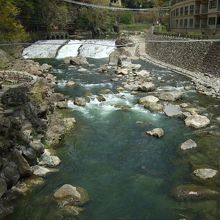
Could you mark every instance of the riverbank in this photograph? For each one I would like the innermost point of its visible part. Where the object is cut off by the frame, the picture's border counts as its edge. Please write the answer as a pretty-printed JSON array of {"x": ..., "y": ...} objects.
[
  {"x": 31, "y": 120},
  {"x": 198, "y": 60}
]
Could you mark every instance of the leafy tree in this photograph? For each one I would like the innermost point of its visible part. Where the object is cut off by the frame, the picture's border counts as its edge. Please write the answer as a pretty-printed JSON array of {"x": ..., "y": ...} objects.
[{"x": 10, "y": 28}]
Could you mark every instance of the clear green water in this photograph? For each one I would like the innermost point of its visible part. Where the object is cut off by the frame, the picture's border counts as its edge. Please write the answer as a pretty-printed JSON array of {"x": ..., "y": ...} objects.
[{"x": 129, "y": 176}]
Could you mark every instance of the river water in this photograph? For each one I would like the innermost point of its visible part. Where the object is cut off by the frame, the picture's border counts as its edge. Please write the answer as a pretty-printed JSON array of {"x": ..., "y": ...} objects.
[{"x": 128, "y": 175}]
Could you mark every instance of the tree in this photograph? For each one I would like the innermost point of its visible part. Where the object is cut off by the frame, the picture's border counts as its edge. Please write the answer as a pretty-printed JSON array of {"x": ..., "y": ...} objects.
[{"x": 10, "y": 28}]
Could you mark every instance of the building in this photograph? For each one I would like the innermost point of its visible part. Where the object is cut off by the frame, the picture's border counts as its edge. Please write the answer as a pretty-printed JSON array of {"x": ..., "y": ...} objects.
[{"x": 195, "y": 16}]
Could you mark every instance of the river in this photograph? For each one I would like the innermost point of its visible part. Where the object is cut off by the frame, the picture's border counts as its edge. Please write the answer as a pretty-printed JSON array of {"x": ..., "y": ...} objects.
[{"x": 128, "y": 175}]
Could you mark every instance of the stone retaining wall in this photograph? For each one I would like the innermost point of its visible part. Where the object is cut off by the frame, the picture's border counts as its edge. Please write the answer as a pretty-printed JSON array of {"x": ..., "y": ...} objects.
[{"x": 193, "y": 56}]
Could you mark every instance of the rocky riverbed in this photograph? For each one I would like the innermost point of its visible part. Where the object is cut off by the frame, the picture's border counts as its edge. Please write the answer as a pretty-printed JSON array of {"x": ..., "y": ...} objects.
[
  {"x": 30, "y": 122},
  {"x": 143, "y": 136}
]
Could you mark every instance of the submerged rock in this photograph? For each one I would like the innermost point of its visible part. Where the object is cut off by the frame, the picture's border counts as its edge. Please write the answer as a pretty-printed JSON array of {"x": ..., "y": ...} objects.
[
  {"x": 156, "y": 132},
  {"x": 171, "y": 96},
  {"x": 205, "y": 173},
  {"x": 189, "y": 144},
  {"x": 78, "y": 195},
  {"x": 77, "y": 61},
  {"x": 194, "y": 192},
  {"x": 197, "y": 121}
]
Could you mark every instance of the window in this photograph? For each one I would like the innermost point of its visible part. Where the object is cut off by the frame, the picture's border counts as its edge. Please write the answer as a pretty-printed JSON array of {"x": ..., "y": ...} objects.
[
  {"x": 212, "y": 4},
  {"x": 177, "y": 12},
  {"x": 191, "y": 22},
  {"x": 181, "y": 22},
  {"x": 181, "y": 11},
  {"x": 177, "y": 22},
  {"x": 186, "y": 10},
  {"x": 218, "y": 21},
  {"x": 191, "y": 9},
  {"x": 212, "y": 20},
  {"x": 185, "y": 23}
]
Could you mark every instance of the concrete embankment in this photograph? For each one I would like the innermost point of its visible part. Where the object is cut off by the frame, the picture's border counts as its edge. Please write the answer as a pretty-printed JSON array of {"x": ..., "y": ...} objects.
[{"x": 197, "y": 59}]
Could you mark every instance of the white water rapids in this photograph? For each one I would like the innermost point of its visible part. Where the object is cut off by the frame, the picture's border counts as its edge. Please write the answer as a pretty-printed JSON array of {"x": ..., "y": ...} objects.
[{"x": 61, "y": 49}]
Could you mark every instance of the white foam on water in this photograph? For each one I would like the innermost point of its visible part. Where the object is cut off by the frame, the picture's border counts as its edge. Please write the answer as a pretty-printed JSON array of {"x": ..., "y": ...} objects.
[
  {"x": 97, "y": 48},
  {"x": 170, "y": 88},
  {"x": 42, "y": 49},
  {"x": 70, "y": 49},
  {"x": 97, "y": 85},
  {"x": 87, "y": 48}
]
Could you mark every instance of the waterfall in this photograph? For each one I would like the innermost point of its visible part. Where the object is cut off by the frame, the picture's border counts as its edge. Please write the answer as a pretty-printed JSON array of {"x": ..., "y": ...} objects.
[{"x": 61, "y": 49}]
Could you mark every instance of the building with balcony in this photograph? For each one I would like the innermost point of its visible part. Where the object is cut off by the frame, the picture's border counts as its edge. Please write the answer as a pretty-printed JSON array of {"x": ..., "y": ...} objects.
[{"x": 195, "y": 16}]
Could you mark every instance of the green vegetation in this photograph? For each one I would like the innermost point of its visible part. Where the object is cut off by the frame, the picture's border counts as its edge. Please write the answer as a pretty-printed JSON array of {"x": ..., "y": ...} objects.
[
  {"x": 135, "y": 27},
  {"x": 22, "y": 20}
]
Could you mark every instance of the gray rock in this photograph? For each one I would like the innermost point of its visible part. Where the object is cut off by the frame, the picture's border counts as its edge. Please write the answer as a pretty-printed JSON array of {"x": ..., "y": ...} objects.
[
  {"x": 114, "y": 58},
  {"x": 30, "y": 155},
  {"x": 147, "y": 100},
  {"x": 48, "y": 160},
  {"x": 154, "y": 107},
  {"x": 42, "y": 171},
  {"x": 10, "y": 173},
  {"x": 62, "y": 105},
  {"x": 189, "y": 144},
  {"x": 76, "y": 61},
  {"x": 172, "y": 110},
  {"x": 197, "y": 121},
  {"x": 22, "y": 164},
  {"x": 81, "y": 101},
  {"x": 71, "y": 194},
  {"x": 3, "y": 187},
  {"x": 147, "y": 87},
  {"x": 156, "y": 132},
  {"x": 69, "y": 123},
  {"x": 71, "y": 84},
  {"x": 37, "y": 146},
  {"x": 170, "y": 96},
  {"x": 205, "y": 173}
]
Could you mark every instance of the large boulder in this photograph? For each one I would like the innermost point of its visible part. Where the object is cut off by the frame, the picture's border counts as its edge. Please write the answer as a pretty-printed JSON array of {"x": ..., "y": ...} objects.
[
  {"x": 172, "y": 110},
  {"x": 170, "y": 96},
  {"x": 37, "y": 146},
  {"x": 197, "y": 121},
  {"x": 154, "y": 107},
  {"x": 10, "y": 173},
  {"x": 189, "y": 144},
  {"x": 49, "y": 160},
  {"x": 147, "y": 100},
  {"x": 71, "y": 194},
  {"x": 114, "y": 58},
  {"x": 81, "y": 101},
  {"x": 22, "y": 164},
  {"x": 194, "y": 192},
  {"x": 30, "y": 155},
  {"x": 77, "y": 61},
  {"x": 146, "y": 87},
  {"x": 205, "y": 173}
]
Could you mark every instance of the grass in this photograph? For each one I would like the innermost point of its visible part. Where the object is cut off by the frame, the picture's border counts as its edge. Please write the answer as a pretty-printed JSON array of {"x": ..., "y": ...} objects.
[{"x": 134, "y": 27}]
